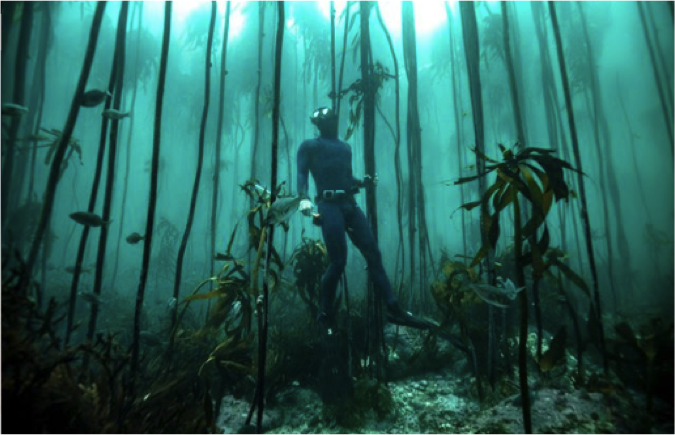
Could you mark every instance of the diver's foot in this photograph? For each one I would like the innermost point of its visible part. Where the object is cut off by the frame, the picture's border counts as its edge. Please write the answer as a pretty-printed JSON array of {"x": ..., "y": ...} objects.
[{"x": 397, "y": 316}]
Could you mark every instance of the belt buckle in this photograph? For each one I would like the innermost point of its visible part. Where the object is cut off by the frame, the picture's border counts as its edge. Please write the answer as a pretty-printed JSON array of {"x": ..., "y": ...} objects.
[{"x": 331, "y": 194}]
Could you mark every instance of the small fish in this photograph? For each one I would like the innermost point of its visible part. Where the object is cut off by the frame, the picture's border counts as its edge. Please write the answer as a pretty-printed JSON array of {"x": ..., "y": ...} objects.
[
  {"x": 89, "y": 219},
  {"x": 265, "y": 194},
  {"x": 115, "y": 114},
  {"x": 149, "y": 338},
  {"x": 236, "y": 307},
  {"x": 134, "y": 238},
  {"x": 281, "y": 210},
  {"x": 509, "y": 288},
  {"x": 11, "y": 109},
  {"x": 171, "y": 302},
  {"x": 223, "y": 257},
  {"x": 37, "y": 138},
  {"x": 71, "y": 269},
  {"x": 94, "y": 97},
  {"x": 91, "y": 297}
]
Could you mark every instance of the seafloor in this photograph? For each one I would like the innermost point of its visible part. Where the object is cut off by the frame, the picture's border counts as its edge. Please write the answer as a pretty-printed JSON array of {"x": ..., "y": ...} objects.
[{"x": 445, "y": 401}]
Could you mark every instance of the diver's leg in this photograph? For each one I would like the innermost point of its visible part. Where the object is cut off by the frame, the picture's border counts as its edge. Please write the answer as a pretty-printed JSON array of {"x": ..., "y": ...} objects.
[
  {"x": 332, "y": 228},
  {"x": 362, "y": 236}
]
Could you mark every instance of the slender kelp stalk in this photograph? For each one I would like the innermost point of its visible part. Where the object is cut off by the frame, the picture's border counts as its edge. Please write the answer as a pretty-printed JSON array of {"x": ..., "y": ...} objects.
[
  {"x": 515, "y": 101},
  {"x": 455, "y": 107},
  {"x": 554, "y": 128},
  {"x": 471, "y": 51},
  {"x": 127, "y": 163},
  {"x": 607, "y": 174},
  {"x": 662, "y": 62},
  {"x": 93, "y": 196},
  {"x": 120, "y": 50},
  {"x": 256, "y": 104},
  {"x": 219, "y": 134},
  {"x": 374, "y": 339},
  {"x": 152, "y": 197},
  {"x": 414, "y": 142},
  {"x": 332, "y": 55},
  {"x": 55, "y": 169},
  {"x": 200, "y": 163},
  {"x": 582, "y": 188},
  {"x": 8, "y": 183},
  {"x": 8, "y": 9},
  {"x": 263, "y": 317},
  {"x": 522, "y": 297},
  {"x": 43, "y": 49},
  {"x": 400, "y": 254},
  {"x": 410, "y": 131},
  {"x": 344, "y": 55}
]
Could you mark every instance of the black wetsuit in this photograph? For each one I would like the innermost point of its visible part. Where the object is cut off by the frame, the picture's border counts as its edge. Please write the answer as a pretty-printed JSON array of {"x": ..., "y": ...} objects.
[{"x": 329, "y": 160}]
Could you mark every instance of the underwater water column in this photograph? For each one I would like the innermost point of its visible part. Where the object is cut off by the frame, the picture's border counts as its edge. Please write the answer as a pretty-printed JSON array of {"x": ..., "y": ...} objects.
[
  {"x": 200, "y": 164},
  {"x": 152, "y": 197}
]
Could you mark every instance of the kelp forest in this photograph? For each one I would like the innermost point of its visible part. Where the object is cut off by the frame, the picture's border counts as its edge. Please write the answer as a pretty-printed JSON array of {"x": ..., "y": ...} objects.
[{"x": 514, "y": 162}]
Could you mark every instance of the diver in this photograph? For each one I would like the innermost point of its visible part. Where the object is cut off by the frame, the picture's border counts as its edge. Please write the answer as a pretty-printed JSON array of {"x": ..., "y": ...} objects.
[{"x": 329, "y": 160}]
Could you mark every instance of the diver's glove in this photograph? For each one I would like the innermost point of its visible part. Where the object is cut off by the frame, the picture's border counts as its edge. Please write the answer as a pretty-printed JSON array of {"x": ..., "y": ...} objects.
[
  {"x": 305, "y": 207},
  {"x": 370, "y": 180}
]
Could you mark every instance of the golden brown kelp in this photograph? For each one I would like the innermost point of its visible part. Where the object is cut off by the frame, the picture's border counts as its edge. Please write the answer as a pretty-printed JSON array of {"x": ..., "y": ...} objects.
[
  {"x": 582, "y": 188},
  {"x": 55, "y": 170},
  {"x": 309, "y": 260},
  {"x": 152, "y": 200},
  {"x": 200, "y": 159},
  {"x": 517, "y": 175},
  {"x": 120, "y": 50},
  {"x": 9, "y": 184}
]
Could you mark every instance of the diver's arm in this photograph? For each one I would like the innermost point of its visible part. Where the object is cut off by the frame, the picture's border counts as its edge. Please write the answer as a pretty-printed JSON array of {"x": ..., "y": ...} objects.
[{"x": 303, "y": 170}]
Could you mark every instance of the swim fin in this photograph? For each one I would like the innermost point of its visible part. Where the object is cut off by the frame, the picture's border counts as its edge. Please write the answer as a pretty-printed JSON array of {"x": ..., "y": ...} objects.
[{"x": 397, "y": 316}]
